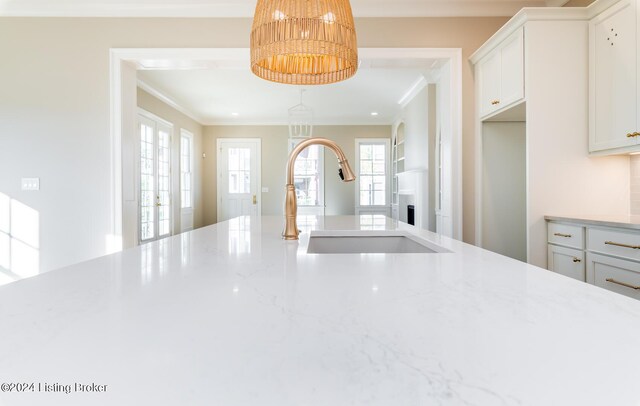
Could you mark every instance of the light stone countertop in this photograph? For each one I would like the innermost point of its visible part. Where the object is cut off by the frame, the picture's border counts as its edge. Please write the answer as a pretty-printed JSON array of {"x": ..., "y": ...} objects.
[
  {"x": 623, "y": 221},
  {"x": 233, "y": 315}
]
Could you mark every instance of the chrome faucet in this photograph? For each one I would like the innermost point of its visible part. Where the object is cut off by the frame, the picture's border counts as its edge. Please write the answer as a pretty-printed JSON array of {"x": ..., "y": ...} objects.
[{"x": 291, "y": 231}]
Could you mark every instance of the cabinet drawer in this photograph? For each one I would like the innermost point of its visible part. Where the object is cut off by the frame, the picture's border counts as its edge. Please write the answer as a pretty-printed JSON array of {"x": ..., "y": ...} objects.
[
  {"x": 564, "y": 234},
  {"x": 617, "y": 275},
  {"x": 614, "y": 242},
  {"x": 567, "y": 261}
]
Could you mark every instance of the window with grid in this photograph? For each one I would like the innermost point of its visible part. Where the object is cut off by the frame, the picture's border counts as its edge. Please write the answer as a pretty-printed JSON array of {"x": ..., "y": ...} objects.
[
  {"x": 372, "y": 173},
  {"x": 239, "y": 169},
  {"x": 307, "y": 175},
  {"x": 186, "y": 168},
  {"x": 147, "y": 182}
]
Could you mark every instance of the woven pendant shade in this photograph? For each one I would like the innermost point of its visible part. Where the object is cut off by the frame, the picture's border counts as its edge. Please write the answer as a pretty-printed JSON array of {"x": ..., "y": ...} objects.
[{"x": 304, "y": 42}]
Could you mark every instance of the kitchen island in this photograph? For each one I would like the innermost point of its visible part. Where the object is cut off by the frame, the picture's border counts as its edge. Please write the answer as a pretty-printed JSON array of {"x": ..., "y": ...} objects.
[{"x": 231, "y": 314}]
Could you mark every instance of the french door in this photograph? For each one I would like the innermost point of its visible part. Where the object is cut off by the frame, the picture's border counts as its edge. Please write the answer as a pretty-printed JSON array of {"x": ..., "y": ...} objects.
[{"x": 154, "y": 217}]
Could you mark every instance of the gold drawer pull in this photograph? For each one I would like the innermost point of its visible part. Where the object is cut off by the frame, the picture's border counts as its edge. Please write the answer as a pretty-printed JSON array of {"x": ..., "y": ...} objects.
[
  {"x": 631, "y": 135},
  {"x": 617, "y": 244},
  {"x": 494, "y": 102},
  {"x": 562, "y": 235},
  {"x": 577, "y": 259},
  {"x": 626, "y": 285}
]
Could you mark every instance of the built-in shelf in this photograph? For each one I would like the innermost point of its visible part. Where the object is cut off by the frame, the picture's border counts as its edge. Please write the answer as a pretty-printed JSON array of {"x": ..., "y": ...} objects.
[{"x": 397, "y": 162}]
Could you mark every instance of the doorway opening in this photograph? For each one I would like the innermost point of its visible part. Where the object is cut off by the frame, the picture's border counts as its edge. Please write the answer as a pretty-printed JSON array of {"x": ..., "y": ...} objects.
[{"x": 125, "y": 64}]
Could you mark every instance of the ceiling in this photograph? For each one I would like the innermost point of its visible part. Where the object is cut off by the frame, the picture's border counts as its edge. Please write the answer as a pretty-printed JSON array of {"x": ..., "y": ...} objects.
[
  {"x": 233, "y": 95},
  {"x": 245, "y": 8}
]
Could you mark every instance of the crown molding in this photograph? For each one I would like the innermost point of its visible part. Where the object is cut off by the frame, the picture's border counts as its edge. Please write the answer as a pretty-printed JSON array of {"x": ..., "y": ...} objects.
[
  {"x": 246, "y": 9},
  {"x": 540, "y": 14},
  {"x": 413, "y": 91},
  {"x": 279, "y": 123},
  {"x": 169, "y": 101}
]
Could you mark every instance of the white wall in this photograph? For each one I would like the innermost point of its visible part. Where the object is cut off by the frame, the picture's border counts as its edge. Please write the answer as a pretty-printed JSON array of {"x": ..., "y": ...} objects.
[
  {"x": 416, "y": 132},
  {"x": 562, "y": 178},
  {"x": 431, "y": 153},
  {"x": 444, "y": 218}
]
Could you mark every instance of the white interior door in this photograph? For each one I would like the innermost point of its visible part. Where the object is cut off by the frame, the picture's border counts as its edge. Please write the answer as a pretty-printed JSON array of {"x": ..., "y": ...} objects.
[
  {"x": 154, "y": 217},
  {"x": 238, "y": 178}
]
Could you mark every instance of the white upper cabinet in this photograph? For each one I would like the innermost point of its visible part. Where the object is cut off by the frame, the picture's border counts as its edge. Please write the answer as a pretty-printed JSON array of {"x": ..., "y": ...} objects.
[
  {"x": 512, "y": 77},
  {"x": 613, "y": 81},
  {"x": 489, "y": 70},
  {"x": 501, "y": 75}
]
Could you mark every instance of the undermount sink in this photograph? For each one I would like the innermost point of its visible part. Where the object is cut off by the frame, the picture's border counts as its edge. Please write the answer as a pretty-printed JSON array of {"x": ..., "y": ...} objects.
[{"x": 370, "y": 242}]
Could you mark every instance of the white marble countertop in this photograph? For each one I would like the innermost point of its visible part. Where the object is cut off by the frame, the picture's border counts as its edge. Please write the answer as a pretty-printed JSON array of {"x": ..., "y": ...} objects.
[
  {"x": 233, "y": 315},
  {"x": 622, "y": 221}
]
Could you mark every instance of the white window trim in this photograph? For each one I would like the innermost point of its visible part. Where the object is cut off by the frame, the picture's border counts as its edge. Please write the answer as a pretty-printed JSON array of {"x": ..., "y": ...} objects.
[
  {"x": 385, "y": 209},
  {"x": 312, "y": 209},
  {"x": 187, "y": 134}
]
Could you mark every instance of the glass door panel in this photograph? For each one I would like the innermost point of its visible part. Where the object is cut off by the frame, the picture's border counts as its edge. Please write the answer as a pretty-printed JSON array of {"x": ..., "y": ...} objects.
[{"x": 155, "y": 180}]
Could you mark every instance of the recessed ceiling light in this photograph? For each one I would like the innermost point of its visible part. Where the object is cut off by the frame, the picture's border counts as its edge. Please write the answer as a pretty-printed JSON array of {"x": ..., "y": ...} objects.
[
  {"x": 235, "y": 114},
  {"x": 374, "y": 113}
]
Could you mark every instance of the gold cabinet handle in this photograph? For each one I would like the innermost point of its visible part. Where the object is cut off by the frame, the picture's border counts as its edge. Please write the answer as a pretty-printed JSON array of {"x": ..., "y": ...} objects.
[
  {"x": 632, "y": 135},
  {"x": 255, "y": 199},
  {"x": 576, "y": 259},
  {"x": 562, "y": 235},
  {"x": 626, "y": 285},
  {"x": 494, "y": 102},
  {"x": 617, "y": 244}
]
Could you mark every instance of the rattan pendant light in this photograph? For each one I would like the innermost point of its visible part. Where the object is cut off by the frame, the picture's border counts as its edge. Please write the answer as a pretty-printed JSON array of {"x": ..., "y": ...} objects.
[{"x": 304, "y": 42}]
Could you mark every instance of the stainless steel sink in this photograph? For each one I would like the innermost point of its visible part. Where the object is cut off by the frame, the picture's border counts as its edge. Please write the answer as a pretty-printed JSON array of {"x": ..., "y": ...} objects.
[{"x": 369, "y": 242}]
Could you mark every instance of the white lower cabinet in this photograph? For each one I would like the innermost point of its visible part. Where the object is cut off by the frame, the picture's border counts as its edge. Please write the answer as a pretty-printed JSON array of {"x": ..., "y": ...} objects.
[
  {"x": 605, "y": 256},
  {"x": 618, "y": 275},
  {"x": 567, "y": 261}
]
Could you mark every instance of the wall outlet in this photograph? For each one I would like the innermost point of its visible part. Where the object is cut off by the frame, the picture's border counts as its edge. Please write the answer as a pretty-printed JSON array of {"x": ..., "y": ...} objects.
[
  {"x": 30, "y": 184},
  {"x": 265, "y": 190}
]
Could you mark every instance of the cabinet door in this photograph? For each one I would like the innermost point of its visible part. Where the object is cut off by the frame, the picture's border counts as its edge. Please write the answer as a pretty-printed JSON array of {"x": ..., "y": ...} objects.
[
  {"x": 489, "y": 75},
  {"x": 566, "y": 261},
  {"x": 613, "y": 78},
  {"x": 512, "y": 69},
  {"x": 617, "y": 275}
]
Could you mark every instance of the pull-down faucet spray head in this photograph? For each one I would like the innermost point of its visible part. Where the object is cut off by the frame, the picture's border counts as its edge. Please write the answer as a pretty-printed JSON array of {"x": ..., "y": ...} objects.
[{"x": 345, "y": 172}]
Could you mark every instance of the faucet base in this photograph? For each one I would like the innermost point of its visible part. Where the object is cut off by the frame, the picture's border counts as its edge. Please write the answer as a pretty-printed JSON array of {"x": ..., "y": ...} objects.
[{"x": 291, "y": 231}]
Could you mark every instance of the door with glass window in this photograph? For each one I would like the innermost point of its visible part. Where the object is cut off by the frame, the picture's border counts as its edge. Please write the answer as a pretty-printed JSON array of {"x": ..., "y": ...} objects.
[
  {"x": 238, "y": 178},
  {"x": 155, "y": 180}
]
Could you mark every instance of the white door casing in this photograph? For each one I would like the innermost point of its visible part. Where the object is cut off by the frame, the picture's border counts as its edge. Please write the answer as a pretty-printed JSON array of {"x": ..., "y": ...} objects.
[{"x": 239, "y": 177}]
